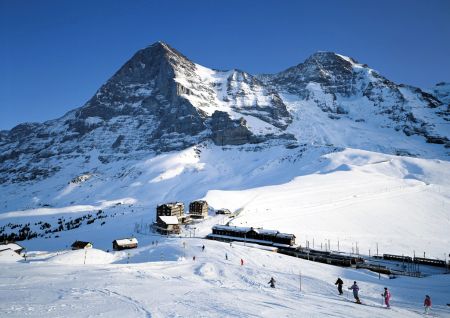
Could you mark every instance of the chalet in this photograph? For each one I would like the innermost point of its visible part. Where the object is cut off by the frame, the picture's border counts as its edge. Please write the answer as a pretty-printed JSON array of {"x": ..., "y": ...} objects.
[
  {"x": 198, "y": 209},
  {"x": 79, "y": 245},
  {"x": 250, "y": 234},
  {"x": 11, "y": 246},
  {"x": 167, "y": 224},
  {"x": 173, "y": 209},
  {"x": 126, "y": 243},
  {"x": 223, "y": 211}
]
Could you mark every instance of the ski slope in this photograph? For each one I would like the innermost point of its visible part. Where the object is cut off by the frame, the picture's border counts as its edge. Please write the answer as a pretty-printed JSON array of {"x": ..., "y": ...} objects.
[{"x": 173, "y": 285}]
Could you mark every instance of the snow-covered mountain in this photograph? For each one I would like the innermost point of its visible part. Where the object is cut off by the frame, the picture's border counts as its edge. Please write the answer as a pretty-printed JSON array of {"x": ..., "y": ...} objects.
[
  {"x": 160, "y": 101},
  {"x": 164, "y": 128}
]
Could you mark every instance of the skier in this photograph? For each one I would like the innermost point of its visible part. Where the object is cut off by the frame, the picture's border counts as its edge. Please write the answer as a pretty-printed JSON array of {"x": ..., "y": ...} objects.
[
  {"x": 427, "y": 304},
  {"x": 355, "y": 289},
  {"x": 272, "y": 282},
  {"x": 242, "y": 262},
  {"x": 193, "y": 258},
  {"x": 339, "y": 284},
  {"x": 226, "y": 256},
  {"x": 387, "y": 297},
  {"x": 203, "y": 248}
]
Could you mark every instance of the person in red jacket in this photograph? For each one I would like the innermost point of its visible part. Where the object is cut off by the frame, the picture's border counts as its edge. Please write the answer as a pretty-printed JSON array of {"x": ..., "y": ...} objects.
[
  {"x": 387, "y": 297},
  {"x": 427, "y": 304}
]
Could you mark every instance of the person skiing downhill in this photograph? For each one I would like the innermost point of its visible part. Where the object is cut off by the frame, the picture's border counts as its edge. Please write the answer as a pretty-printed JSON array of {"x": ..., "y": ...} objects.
[
  {"x": 272, "y": 282},
  {"x": 387, "y": 297},
  {"x": 355, "y": 289},
  {"x": 242, "y": 262},
  {"x": 427, "y": 304},
  {"x": 339, "y": 284}
]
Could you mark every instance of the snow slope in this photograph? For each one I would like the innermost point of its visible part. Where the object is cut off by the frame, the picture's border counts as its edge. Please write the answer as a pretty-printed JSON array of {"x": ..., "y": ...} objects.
[
  {"x": 314, "y": 192},
  {"x": 210, "y": 286}
]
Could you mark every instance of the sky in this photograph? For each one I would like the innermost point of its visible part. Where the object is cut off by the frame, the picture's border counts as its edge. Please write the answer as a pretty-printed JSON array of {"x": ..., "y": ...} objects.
[{"x": 55, "y": 54}]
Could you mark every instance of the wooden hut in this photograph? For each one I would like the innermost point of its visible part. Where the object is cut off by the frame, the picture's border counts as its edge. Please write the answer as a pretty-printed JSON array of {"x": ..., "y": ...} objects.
[
  {"x": 11, "y": 246},
  {"x": 167, "y": 224},
  {"x": 124, "y": 244},
  {"x": 79, "y": 245},
  {"x": 198, "y": 209}
]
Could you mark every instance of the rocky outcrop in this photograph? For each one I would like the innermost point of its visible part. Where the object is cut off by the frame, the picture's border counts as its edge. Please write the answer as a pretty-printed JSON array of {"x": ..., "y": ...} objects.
[{"x": 226, "y": 131}]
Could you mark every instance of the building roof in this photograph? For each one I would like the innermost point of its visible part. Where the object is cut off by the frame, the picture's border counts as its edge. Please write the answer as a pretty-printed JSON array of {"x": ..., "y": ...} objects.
[
  {"x": 80, "y": 244},
  {"x": 248, "y": 229},
  {"x": 126, "y": 241},
  {"x": 12, "y": 246},
  {"x": 199, "y": 201},
  {"x": 169, "y": 220},
  {"x": 172, "y": 204}
]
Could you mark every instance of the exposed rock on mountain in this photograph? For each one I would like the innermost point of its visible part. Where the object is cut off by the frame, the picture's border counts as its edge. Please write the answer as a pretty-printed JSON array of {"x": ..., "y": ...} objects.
[{"x": 160, "y": 101}]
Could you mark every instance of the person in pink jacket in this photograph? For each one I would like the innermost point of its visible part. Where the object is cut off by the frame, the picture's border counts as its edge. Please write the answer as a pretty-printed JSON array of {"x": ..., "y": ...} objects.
[
  {"x": 427, "y": 304},
  {"x": 387, "y": 297}
]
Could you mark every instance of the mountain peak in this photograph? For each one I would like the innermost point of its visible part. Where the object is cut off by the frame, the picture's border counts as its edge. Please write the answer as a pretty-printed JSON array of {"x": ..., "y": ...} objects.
[
  {"x": 160, "y": 49},
  {"x": 326, "y": 58}
]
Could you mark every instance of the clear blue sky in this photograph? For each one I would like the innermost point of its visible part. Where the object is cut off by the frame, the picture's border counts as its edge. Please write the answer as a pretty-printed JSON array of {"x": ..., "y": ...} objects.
[{"x": 54, "y": 55}]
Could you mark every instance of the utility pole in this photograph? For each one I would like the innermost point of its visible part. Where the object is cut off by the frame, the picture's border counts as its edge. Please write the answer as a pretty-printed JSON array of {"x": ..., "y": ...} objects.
[{"x": 300, "y": 276}]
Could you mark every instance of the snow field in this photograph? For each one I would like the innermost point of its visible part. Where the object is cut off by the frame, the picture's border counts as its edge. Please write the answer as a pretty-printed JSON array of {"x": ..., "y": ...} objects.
[{"x": 210, "y": 286}]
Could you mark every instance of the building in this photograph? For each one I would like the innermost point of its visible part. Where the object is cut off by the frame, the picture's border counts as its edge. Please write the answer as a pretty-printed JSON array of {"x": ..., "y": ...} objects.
[
  {"x": 11, "y": 246},
  {"x": 173, "y": 209},
  {"x": 252, "y": 235},
  {"x": 126, "y": 243},
  {"x": 198, "y": 209},
  {"x": 167, "y": 224},
  {"x": 223, "y": 211},
  {"x": 79, "y": 245}
]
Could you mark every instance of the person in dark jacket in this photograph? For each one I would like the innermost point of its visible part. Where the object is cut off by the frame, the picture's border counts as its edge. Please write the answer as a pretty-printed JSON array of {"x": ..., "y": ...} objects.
[
  {"x": 272, "y": 282},
  {"x": 339, "y": 284}
]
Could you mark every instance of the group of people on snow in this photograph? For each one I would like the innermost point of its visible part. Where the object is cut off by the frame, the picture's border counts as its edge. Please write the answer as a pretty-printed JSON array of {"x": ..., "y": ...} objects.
[{"x": 386, "y": 294}]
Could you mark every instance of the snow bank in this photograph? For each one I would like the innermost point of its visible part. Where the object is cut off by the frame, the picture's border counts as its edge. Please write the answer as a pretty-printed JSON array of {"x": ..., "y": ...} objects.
[{"x": 86, "y": 256}]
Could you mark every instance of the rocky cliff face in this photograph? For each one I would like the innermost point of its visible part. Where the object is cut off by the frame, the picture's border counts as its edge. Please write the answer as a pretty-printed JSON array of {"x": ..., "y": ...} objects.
[
  {"x": 343, "y": 88},
  {"x": 161, "y": 101}
]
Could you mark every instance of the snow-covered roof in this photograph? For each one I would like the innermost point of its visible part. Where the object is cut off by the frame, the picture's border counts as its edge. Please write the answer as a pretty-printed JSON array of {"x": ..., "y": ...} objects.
[
  {"x": 232, "y": 228},
  {"x": 266, "y": 232},
  {"x": 172, "y": 204},
  {"x": 285, "y": 235},
  {"x": 126, "y": 241},
  {"x": 257, "y": 230},
  {"x": 8, "y": 255},
  {"x": 224, "y": 211},
  {"x": 169, "y": 220},
  {"x": 12, "y": 246}
]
